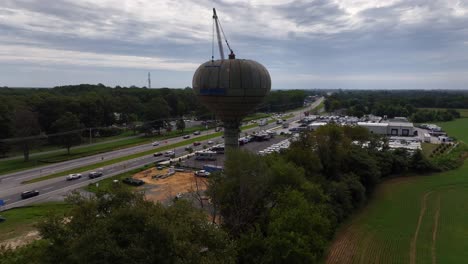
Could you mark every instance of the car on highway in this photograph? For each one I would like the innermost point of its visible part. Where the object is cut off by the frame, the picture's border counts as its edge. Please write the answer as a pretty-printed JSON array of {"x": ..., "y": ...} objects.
[
  {"x": 196, "y": 143},
  {"x": 196, "y": 133},
  {"x": 73, "y": 176},
  {"x": 29, "y": 194},
  {"x": 186, "y": 136},
  {"x": 210, "y": 142},
  {"x": 156, "y": 143},
  {"x": 94, "y": 174},
  {"x": 202, "y": 173},
  {"x": 169, "y": 153},
  {"x": 157, "y": 154},
  {"x": 133, "y": 182}
]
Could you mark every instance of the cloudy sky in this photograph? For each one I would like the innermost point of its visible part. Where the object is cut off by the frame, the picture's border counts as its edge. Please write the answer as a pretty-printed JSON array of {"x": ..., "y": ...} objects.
[{"x": 367, "y": 44}]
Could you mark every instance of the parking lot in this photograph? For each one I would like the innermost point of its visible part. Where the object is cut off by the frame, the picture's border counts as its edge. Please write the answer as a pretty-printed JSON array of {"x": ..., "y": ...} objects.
[{"x": 251, "y": 146}]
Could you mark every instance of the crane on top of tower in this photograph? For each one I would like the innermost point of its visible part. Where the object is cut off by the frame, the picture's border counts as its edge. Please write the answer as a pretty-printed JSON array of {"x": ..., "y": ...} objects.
[{"x": 218, "y": 35}]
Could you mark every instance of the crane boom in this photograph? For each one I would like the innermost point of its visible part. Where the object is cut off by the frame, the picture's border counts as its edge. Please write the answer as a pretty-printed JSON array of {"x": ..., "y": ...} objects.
[{"x": 218, "y": 34}]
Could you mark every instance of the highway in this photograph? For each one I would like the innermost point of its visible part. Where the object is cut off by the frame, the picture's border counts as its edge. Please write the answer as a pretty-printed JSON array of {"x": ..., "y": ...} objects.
[{"x": 11, "y": 187}]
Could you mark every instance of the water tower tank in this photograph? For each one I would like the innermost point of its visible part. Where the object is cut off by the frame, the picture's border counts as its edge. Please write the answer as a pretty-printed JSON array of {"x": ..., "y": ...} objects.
[{"x": 231, "y": 89}]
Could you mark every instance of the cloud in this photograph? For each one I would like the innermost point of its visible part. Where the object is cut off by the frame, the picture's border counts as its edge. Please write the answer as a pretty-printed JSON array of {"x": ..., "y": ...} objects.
[
  {"x": 41, "y": 56},
  {"x": 291, "y": 37}
]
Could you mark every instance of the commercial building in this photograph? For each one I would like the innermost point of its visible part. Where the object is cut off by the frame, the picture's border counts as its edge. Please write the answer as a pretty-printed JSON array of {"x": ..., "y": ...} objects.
[{"x": 404, "y": 129}]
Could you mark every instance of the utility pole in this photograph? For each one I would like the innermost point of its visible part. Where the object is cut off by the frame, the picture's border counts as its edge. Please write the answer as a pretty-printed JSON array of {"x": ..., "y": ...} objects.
[{"x": 90, "y": 137}]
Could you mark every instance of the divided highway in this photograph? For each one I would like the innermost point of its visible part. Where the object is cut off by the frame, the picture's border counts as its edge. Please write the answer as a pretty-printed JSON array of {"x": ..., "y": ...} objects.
[{"x": 11, "y": 187}]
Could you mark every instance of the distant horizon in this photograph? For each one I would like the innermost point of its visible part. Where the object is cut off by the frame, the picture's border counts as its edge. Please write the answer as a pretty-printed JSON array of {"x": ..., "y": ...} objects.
[{"x": 276, "y": 89}]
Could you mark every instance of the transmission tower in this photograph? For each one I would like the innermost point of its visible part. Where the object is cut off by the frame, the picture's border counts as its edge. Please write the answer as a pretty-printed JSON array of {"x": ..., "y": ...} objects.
[{"x": 149, "y": 80}]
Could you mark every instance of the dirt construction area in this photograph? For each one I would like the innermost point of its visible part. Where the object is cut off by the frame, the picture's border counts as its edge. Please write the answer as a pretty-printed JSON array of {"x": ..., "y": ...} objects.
[{"x": 163, "y": 188}]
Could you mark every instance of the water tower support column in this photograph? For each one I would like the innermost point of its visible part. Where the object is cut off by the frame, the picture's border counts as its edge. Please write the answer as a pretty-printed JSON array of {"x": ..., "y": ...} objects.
[{"x": 231, "y": 134}]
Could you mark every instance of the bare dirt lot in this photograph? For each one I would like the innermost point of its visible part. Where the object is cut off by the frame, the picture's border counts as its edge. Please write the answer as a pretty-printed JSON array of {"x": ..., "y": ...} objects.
[{"x": 166, "y": 189}]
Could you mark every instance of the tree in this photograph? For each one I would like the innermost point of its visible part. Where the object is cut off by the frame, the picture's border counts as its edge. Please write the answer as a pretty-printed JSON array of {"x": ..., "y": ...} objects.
[
  {"x": 122, "y": 227},
  {"x": 180, "y": 125},
  {"x": 331, "y": 146},
  {"x": 157, "y": 109},
  {"x": 420, "y": 163},
  {"x": 69, "y": 128},
  {"x": 241, "y": 191},
  {"x": 6, "y": 128},
  {"x": 297, "y": 232},
  {"x": 26, "y": 126},
  {"x": 132, "y": 121},
  {"x": 157, "y": 112}
]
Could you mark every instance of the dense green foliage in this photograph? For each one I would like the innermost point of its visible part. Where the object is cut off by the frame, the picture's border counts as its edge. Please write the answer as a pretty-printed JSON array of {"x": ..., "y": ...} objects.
[
  {"x": 398, "y": 103},
  {"x": 122, "y": 227},
  {"x": 281, "y": 208},
  {"x": 282, "y": 100},
  {"x": 421, "y": 116},
  {"x": 285, "y": 208},
  {"x": 99, "y": 107}
]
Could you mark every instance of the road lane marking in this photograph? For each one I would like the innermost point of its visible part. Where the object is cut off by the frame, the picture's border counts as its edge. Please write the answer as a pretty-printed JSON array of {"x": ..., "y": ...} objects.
[{"x": 48, "y": 188}]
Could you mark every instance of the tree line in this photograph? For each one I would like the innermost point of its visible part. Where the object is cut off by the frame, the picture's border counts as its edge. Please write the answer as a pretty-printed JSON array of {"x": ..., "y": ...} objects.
[
  {"x": 29, "y": 112},
  {"x": 280, "y": 208},
  {"x": 399, "y": 103}
]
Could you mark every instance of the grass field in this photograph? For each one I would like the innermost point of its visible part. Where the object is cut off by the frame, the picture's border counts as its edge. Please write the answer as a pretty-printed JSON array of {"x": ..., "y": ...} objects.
[
  {"x": 457, "y": 128},
  {"x": 420, "y": 219},
  {"x": 463, "y": 112},
  {"x": 427, "y": 148},
  {"x": 20, "y": 221}
]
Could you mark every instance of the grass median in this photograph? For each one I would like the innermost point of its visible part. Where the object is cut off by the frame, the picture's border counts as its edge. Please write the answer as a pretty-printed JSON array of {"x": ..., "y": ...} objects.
[
  {"x": 14, "y": 165},
  {"x": 136, "y": 155},
  {"x": 117, "y": 160},
  {"x": 106, "y": 183}
]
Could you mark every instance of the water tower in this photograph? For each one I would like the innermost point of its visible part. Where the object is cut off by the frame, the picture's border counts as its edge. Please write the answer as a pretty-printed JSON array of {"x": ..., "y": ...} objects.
[{"x": 230, "y": 88}]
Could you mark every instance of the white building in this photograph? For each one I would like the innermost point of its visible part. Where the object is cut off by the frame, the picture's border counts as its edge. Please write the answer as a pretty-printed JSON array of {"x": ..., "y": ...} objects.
[{"x": 404, "y": 129}]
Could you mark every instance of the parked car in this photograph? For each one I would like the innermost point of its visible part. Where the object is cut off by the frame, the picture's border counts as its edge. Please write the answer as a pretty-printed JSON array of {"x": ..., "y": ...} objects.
[
  {"x": 133, "y": 182},
  {"x": 202, "y": 173},
  {"x": 156, "y": 143},
  {"x": 73, "y": 176},
  {"x": 196, "y": 143},
  {"x": 94, "y": 174},
  {"x": 29, "y": 194},
  {"x": 157, "y": 154},
  {"x": 186, "y": 136},
  {"x": 196, "y": 133}
]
